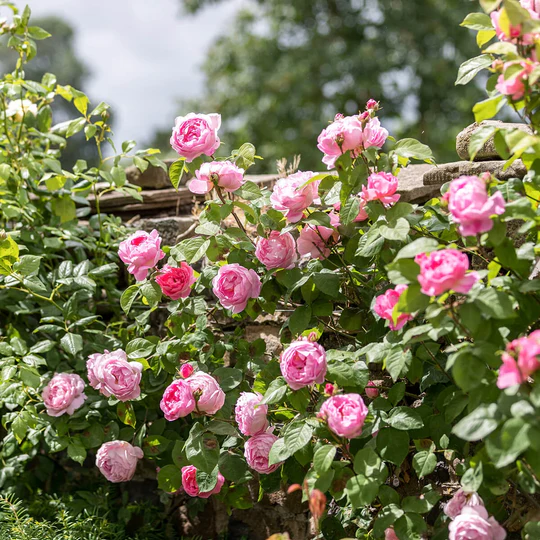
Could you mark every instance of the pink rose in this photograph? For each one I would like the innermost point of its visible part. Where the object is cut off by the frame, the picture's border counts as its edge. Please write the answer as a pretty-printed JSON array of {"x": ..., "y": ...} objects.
[
  {"x": 191, "y": 487},
  {"x": 445, "y": 270},
  {"x": 390, "y": 534},
  {"x": 362, "y": 214},
  {"x": 290, "y": 198},
  {"x": 113, "y": 375},
  {"x": 250, "y": 414},
  {"x": 303, "y": 363},
  {"x": 186, "y": 370},
  {"x": 222, "y": 173},
  {"x": 234, "y": 285},
  {"x": 176, "y": 282},
  {"x": 117, "y": 460},
  {"x": 63, "y": 394},
  {"x": 470, "y": 205},
  {"x": 329, "y": 389},
  {"x": 345, "y": 414},
  {"x": 384, "y": 307},
  {"x": 141, "y": 252},
  {"x": 473, "y": 523},
  {"x": 342, "y": 135},
  {"x": 277, "y": 251},
  {"x": 371, "y": 393},
  {"x": 527, "y": 352},
  {"x": 374, "y": 134},
  {"x": 459, "y": 501},
  {"x": 257, "y": 450},
  {"x": 514, "y": 85},
  {"x": 177, "y": 401},
  {"x": 207, "y": 392},
  {"x": 196, "y": 134},
  {"x": 532, "y": 6},
  {"x": 381, "y": 186},
  {"x": 372, "y": 105},
  {"x": 314, "y": 241},
  {"x": 515, "y": 30}
]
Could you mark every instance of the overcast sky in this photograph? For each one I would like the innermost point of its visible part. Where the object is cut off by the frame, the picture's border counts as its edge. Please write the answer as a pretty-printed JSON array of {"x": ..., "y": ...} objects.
[{"x": 143, "y": 54}]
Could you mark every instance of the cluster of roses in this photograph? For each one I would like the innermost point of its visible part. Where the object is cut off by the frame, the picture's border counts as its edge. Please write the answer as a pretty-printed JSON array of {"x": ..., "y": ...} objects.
[{"x": 514, "y": 78}]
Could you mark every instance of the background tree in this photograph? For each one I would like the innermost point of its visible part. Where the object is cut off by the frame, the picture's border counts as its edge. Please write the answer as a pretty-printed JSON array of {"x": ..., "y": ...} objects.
[{"x": 287, "y": 66}]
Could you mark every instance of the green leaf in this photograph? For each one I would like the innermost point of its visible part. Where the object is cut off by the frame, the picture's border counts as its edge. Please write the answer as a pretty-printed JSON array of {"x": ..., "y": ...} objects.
[
  {"x": 404, "y": 418},
  {"x": 125, "y": 412},
  {"x": 176, "y": 170},
  {"x": 393, "y": 445},
  {"x": 244, "y": 157},
  {"x": 422, "y": 504},
  {"x": 413, "y": 149},
  {"x": 350, "y": 210},
  {"x": 249, "y": 191},
  {"x": 323, "y": 458},
  {"x": 484, "y": 110},
  {"x": 139, "y": 348},
  {"x": 327, "y": 282},
  {"x": 367, "y": 463},
  {"x": 232, "y": 466},
  {"x": 220, "y": 427},
  {"x": 496, "y": 304},
  {"x": 207, "y": 481},
  {"x": 507, "y": 444},
  {"x": 76, "y": 451},
  {"x": 155, "y": 444},
  {"x": 72, "y": 343},
  {"x": 420, "y": 245},
  {"x": 195, "y": 249},
  {"x": 169, "y": 478},
  {"x": 202, "y": 449},
  {"x": 28, "y": 265},
  {"x": 470, "y": 68},
  {"x": 64, "y": 208},
  {"x": 468, "y": 371},
  {"x": 228, "y": 378},
  {"x": 479, "y": 424},
  {"x": 128, "y": 297},
  {"x": 361, "y": 490},
  {"x": 276, "y": 391},
  {"x": 424, "y": 463},
  {"x": 477, "y": 21},
  {"x": 412, "y": 299},
  {"x": 35, "y": 32},
  {"x": 473, "y": 478},
  {"x": 298, "y": 434},
  {"x": 395, "y": 230},
  {"x": 397, "y": 362},
  {"x": 75, "y": 126},
  {"x": 300, "y": 319}
]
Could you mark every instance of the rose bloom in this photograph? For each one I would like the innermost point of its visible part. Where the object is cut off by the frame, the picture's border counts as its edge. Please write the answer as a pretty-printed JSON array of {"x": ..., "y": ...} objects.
[
  {"x": 223, "y": 173},
  {"x": 177, "y": 400},
  {"x": 390, "y": 534},
  {"x": 515, "y": 30},
  {"x": 473, "y": 523},
  {"x": 459, "y": 501},
  {"x": 374, "y": 134},
  {"x": 314, "y": 241},
  {"x": 445, "y": 270},
  {"x": 186, "y": 370},
  {"x": 372, "y": 393},
  {"x": 207, "y": 392},
  {"x": 277, "y": 251},
  {"x": 345, "y": 414},
  {"x": 141, "y": 252},
  {"x": 18, "y": 108},
  {"x": 303, "y": 363},
  {"x": 234, "y": 285},
  {"x": 176, "y": 282},
  {"x": 196, "y": 134},
  {"x": 117, "y": 460},
  {"x": 471, "y": 206},
  {"x": 362, "y": 214},
  {"x": 514, "y": 86},
  {"x": 191, "y": 487},
  {"x": 527, "y": 352},
  {"x": 381, "y": 186},
  {"x": 63, "y": 394},
  {"x": 384, "y": 307},
  {"x": 113, "y": 375},
  {"x": 532, "y": 6},
  {"x": 342, "y": 135},
  {"x": 290, "y": 198},
  {"x": 257, "y": 450},
  {"x": 250, "y": 415}
]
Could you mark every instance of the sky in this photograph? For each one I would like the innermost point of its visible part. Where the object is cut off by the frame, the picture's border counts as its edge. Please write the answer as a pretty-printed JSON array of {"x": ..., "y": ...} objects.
[{"x": 143, "y": 55}]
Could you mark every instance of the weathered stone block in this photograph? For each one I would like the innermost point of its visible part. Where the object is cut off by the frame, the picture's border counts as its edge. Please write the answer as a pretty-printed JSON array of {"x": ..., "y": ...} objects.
[
  {"x": 488, "y": 151},
  {"x": 411, "y": 185},
  {"x": 152, "y": 178},
  {"x": 169, "y": 228}
]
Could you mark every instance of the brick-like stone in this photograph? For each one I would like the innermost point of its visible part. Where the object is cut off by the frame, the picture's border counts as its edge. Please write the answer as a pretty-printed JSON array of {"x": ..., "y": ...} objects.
[
  {"x": 152, "y": 178},
  {"x": 169, "y": 228}
]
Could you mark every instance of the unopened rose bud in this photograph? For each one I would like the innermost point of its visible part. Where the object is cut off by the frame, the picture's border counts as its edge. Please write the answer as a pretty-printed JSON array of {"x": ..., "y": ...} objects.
[
  {"x": 486, "y": 177},
  {"x": 497, "y": 65},
  {"x": 312, "y": 336},
  {"x": 371, "y": 393},
  {"x": 338, "y": 116},
  {"x": 186, "y": 370},
  {"x": 329, "y": 389},
  {"x": 372, "y": 105},
  {"x": 364, "y": 117},
  {"x": 293, "y": 487},
  {"x": 317, "y": 504},
  {"x": 214, "y": 177}
]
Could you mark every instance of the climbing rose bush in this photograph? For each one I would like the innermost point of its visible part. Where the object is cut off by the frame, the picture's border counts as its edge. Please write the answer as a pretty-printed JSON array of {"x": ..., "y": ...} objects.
[{"x": 402, "y": 399}]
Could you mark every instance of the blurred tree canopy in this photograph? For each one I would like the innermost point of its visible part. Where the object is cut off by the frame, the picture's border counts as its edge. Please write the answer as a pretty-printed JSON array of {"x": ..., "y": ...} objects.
[
  {"x": 57, "y": 55},
  {"x": 287, "y": 66}
]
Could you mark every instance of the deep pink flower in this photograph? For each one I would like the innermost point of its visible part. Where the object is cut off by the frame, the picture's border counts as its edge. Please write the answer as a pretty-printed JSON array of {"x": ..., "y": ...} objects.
[
  {"x": 445, "y": 270},
  {"x": 225, "y": 174},
  {"x": 342, "y": 135},
  {"x": 176, "y": 282},
  {"x": 381, "y": 186},
  {"x": 186, "y": 370},
  {"x": 384, "y": 307},
  {"x": 520, "y": 360},
  {"x": 473, "y": 523},
  {"x": 290, "y": 198},
  {"x": 515, "y": 30},
  {"x": 345, "y": 414},
  {"x": 117, "y": 460},
  {"x": 372, "y": 105},
  {"x": 277, "y": 251},
  {"x": 114, "y": 375},
  {"x": 177, "y": 401},
  {"x": 257, "y": 450},
  {"x": 250, "y": 415},
  {"x": 64, "y": 394},
  {"x": 234, "y": 285},
  {"x": 303, "y": 363},
  {"x": 191, "y": 487},
  {"x": 141, "y": 252},
  {"x": 471, "y": 206},
  {"x": 514, "y": 85},
  {"x": 196, "y": 134}
]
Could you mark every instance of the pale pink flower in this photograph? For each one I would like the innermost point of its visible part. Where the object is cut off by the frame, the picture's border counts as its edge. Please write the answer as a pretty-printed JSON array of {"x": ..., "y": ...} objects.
[
  {"x": 343, "y": 135},
  {"x": 290, "y": 198},
  {"x": 514, "y": 86},
  {"x": 390, "y": 534},
  {"x": 196, "y": 134},
  {"x": 381, "y": 186},
  {"x": 345, "y": 414},
  {"x": 384, "y": 307},
  {"x": 473, "y": 523},
  {"x": 64, "y": 394},
  {"x": 224, "y": 174},
  {"x": 277, "y": 251},
  {"x": 459, "y": 501},
  {"x": 257, "y": 450},
  {"x": 374, "y": 134},
  {"x": 315, "y": 241},
  {"x": 250, "y": 415},
  {"x": 191, "y": 487},
  {"x": 141, "y": 252},
  {"x": 176, "y": 282},
  {"x": 117, "y": 460},
  {"x": 303, "y": 363},
  {"x": 234, "y": 285},
  {"x": 371, "y": 393},
  {"x": 520, "y": 360},
  {"x": 207, "y": 392}
]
